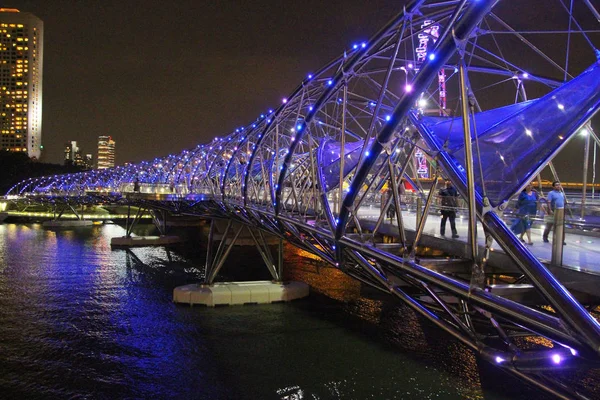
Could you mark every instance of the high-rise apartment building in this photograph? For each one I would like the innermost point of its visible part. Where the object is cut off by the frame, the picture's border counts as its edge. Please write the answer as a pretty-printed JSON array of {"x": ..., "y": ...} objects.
[
  {"x": 21, "y": 56},
  {"x": 106, "y": 152}
]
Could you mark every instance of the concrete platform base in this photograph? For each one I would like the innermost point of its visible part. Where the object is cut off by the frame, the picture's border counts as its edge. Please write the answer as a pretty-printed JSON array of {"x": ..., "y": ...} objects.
[
  {"x": 144, "y": 241},
  {"x": 230, "y": 293},
  {"x": 67, "y": 223}
]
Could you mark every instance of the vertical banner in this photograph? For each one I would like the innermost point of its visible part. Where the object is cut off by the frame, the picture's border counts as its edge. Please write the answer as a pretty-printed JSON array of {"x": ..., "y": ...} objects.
[{"x": 421, "y": 164}]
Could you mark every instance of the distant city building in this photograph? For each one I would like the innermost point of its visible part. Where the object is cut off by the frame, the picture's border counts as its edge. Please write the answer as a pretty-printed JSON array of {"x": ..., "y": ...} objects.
[
  {"x": 106, "y": 152},
  {"x": 74, "y": 157},
  {"x": 71, "y": 150},
  {"x": 89, "y": 161},
  {"x": 21, "y": 56}
]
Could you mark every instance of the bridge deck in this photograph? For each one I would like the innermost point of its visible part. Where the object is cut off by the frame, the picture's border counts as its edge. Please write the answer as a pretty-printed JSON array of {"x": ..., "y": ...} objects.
[{"x": 582, "y": 252}]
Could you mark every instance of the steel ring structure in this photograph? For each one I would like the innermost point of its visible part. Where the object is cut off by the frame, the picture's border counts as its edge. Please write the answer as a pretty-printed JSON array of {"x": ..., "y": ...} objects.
[{"x": 510, "y": 84}]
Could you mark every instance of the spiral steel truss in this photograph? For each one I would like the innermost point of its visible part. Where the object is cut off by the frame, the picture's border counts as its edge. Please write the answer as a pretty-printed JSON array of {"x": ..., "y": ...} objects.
[{"x": 308, "y": 170}]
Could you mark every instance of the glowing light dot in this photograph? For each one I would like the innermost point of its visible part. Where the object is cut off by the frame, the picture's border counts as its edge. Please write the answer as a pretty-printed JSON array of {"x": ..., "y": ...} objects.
[
  {"x": 310, "y": 76},
  {"x": 284, "y": 100},
  {"x": 408, "y": 88},
  {"x": 528, "y": 132},
  {"x": 573, "y": 351},
  {"x": 556, "y": 358},
  {"x": 500, "y": 360},
  {"x": 525, "y": 75},
  {"x": 432, "y": 56},
  {"x": 363, "y": 45},
  {"x": 561, "y": 107},
  {"x": 330, "y": 82}
]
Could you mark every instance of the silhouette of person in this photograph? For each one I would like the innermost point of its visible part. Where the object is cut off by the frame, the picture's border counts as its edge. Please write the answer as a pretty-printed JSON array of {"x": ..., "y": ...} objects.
[{"x": 448, "y": 208}]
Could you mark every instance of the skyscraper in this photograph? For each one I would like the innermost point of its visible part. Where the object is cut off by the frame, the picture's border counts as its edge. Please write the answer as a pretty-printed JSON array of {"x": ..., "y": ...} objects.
[
  {"x": 106, "y": 152},
  {"x": 21, "y": 56}
]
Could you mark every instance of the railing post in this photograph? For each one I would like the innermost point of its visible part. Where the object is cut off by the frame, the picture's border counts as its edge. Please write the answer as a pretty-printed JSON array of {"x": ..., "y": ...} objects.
[
  {"x": 419, "y": 210},
  {"x": 586, "y": 158},
  {"x": 558, "y": 237}
]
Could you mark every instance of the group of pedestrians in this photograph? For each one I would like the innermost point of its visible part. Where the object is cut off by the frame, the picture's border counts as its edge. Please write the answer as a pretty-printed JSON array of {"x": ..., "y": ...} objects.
[{"x": 527, "y": 207}]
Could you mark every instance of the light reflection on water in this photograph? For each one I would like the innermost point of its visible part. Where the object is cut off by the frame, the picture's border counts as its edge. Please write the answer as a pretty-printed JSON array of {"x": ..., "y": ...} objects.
[{"x": 79, "y": 320}]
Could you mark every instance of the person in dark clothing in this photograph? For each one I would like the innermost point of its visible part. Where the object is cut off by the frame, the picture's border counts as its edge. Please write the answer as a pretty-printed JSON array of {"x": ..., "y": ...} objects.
[{"x": 449, "y": 197}]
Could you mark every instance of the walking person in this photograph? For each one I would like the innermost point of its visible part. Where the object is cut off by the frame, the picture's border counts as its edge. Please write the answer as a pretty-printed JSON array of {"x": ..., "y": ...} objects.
[
  {"x": 556, "y": 200},
  {"x": 387, "y": 196},
  {"x": 526, "y": 211},
  {"x": 449, "y": 204}
]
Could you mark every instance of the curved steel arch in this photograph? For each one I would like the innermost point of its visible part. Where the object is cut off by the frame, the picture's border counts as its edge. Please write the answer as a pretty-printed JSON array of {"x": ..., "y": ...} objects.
[{"x": 308, "y": 170}]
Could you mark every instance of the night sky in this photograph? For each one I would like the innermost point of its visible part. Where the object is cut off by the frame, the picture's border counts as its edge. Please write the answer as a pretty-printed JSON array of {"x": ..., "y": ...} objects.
[{"x": 160, "y": 76}]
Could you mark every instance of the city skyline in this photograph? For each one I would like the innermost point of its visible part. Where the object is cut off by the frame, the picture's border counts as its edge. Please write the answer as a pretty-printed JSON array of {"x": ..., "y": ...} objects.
[
  {"x": 175, "y": 77},
  {"x": 142, "y": 72}
]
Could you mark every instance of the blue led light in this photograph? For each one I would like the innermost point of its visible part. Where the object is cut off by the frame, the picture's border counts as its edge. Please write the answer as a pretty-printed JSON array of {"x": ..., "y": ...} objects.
[
  {"x": 330, "y": 82},
  {"x": 388, "y": 117},
  {"x": 310, "y": 76},
  {"x": 432, "y": 56}
]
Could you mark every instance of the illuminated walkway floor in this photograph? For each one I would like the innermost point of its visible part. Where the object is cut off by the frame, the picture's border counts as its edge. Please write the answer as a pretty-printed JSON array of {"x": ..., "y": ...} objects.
[{"x": 581, "y": 252}]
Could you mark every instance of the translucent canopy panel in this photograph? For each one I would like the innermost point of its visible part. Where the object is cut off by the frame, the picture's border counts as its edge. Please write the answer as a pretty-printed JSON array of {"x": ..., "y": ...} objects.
[
  {"x": 516, "y": 141},
  {"x": 330, "y": 162}
]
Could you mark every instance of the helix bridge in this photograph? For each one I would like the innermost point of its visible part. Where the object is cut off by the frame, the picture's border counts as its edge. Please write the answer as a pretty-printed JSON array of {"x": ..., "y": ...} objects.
[{"x": 484, "y": 93}]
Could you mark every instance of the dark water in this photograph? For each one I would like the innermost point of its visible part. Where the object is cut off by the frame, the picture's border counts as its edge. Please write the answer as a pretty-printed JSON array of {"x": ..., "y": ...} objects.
[{"x": 79, "y": 321}]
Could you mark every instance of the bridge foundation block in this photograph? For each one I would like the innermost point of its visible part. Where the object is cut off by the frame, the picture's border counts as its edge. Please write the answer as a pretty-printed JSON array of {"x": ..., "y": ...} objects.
[
  {"x": 143, "y": 241},
  {"x": 239, "y": 293}
]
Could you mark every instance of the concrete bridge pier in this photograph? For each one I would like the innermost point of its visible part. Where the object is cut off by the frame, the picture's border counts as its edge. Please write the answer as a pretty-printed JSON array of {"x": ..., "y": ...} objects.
[
  {"x": 159, "y": 218},
  {"x": 59, "y": 220},
  {"x": 231, "y": 234}
]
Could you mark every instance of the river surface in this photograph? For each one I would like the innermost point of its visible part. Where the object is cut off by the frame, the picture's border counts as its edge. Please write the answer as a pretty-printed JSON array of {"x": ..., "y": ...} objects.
[{"x": 80, "y": 321}]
